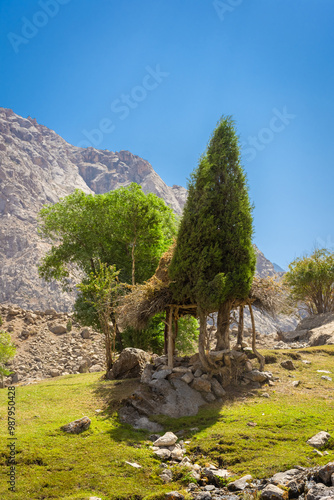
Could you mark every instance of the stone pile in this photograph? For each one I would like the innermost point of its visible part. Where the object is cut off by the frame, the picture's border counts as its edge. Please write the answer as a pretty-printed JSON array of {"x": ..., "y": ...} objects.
[
  {"x": 315, "y": 483},
  {"x": 181, "y": 390},
  {"x": 50, "y": 344}
]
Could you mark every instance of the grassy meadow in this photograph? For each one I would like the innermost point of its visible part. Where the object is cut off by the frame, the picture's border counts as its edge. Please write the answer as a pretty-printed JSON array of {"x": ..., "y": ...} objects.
[{"x": 54, "y": 465}]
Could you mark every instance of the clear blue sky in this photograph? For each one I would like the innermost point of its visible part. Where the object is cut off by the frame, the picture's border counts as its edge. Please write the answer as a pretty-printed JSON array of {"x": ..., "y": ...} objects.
[{"x": 154, "y": 77}]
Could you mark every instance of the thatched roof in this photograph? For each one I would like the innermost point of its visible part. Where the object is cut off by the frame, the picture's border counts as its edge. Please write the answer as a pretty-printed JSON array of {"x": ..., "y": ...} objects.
[{"x": 155, "y": 296}]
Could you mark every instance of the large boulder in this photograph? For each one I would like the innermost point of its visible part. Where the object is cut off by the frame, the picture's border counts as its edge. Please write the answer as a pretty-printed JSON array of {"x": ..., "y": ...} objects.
[{"x": 130, "y": 364}]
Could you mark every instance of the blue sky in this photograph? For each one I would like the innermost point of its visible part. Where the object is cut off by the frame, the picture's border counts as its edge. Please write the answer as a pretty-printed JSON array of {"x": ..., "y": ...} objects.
[{"x": 154, "y": 77}]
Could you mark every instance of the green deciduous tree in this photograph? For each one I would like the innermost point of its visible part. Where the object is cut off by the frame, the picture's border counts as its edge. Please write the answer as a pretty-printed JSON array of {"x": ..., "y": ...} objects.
[
  {"x": 125, "y": 228},
  {"x": 311, "y": 281},
  {"x": 214, "y": 261},
  {"x": 7, "y": 352}
]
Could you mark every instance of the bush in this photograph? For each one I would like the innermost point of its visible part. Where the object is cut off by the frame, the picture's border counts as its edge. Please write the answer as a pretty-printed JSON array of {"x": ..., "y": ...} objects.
[
  {"x": 7, "y": 352},
  {"x": 1, "y": 320}
]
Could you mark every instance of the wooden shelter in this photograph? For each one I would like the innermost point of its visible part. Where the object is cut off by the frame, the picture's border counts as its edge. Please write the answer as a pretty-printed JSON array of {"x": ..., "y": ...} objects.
[{"x": 155, "y": 296}]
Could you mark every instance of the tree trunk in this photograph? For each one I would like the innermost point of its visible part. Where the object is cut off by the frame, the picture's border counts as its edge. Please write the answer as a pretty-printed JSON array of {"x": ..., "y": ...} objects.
[
  {"x": 202, "y": 341},
  {"x": 166, "y": 332},
  {"x": 109, "y": 361},
  {"x": 240, "y": 337},
  {"x": 223, "y": 327},
  {"x": 170, "y": 340},
  {"x": 255, "y": 351},
  {"x": 133, "y": 262}
]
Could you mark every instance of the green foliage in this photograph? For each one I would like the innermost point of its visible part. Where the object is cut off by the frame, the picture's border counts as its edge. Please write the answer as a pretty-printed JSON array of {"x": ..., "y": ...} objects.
[
  {"x": 1, "y": 320},
  {"x": 69, "y": 325},
  {"x": 125, "y": 228},
  {"x": 187, "y": 336},
  {"x": 7, "y": 352},
  {"x": 214, "y": 259},
  {"x": 311, "y": 281},
  {"x": 148, "y": 339},
  {"x": 101, "y": 290}
]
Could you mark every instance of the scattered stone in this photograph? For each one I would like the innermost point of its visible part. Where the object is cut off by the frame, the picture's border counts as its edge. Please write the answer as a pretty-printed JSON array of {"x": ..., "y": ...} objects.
[
  {"x": 86, "y": 333},
  {"x": 251, "y": 424},
  {"x": 326, "y": 472},
  {"x": 133, "y": 464},
  {"x": 319, "y": 440},
  {"x": 77, "y": 426},
  {"x": 323, "y": 371},
  {"x": 306, "y": 362},
  {"x": 272, "y": 492},
  {"x": 296, "y": 383},
  {"x": 240, "y": 484},
  {"x": 319, "y": 492},
  {"x": 187, "y": 377},
  {"x": 168, "y": 439},
  {"x": 288, "y": 365},
  {"x": 174, "y": 495},
  {"x": 217, "y": 388},
  {"x": 324, "y": 377},
  {"x": 163, "y": 453},
  {"x": 95, "y": 368},
  {"x": 130, "y": 363},
  {"x": 265, "y": 395},
  {"x": 58, "y": 329},
  {"x": 201, "y": 385},
  {"x": 161, "y": 374}
]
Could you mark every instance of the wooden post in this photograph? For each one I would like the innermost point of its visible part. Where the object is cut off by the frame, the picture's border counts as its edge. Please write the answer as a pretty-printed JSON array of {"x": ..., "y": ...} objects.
[
  {"x": 255, "y": 351},
  {"x": 170, "y": 339}
]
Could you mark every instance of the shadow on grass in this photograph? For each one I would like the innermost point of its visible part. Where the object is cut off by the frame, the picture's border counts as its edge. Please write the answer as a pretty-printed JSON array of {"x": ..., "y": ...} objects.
[{"x": 116, "y": 393}]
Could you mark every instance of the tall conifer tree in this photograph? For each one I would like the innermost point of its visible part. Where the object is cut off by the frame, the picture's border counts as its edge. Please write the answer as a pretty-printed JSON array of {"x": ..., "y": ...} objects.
[{"x": 214, "y": 261}]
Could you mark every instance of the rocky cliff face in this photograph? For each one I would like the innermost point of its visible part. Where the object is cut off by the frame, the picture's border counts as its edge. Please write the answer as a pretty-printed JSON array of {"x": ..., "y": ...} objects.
[{"x": 37, "y": 166}]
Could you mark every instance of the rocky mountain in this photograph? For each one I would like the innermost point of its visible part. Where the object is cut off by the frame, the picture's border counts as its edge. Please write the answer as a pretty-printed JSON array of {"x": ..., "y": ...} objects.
[{"x": 37, "y": 166}]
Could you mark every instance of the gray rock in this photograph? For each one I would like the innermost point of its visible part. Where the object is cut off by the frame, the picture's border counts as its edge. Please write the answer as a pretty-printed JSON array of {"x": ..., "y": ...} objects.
[
  {"x": 217, "y": 388},
  {"x": 77, "y": 426},
  {"x": 326, "y": 472},
  {"x": 84, "y": 367},
  {"x": 284, "y": 477},
  {"x": 325, "y": 377},
  {"x": 161, "y": 374},
  {"x": 58, "y": 329},
  {"x": 146, "y": 376},
  {"x": 198, "y": 372},
  {"x": 168, "y": 439},
  {"x": 130, "y": 363},
  {"x": 320, "y": 492},
  {"x": 240, "y": 484},
  {"x": 163, "y": 453},
  {"x": 288, "y": 365},
  {"x": 95, "y": 368},
  {"x": 86, "y": 333},
  {"x": 54, "y": 373},
  {"x": 319, "y": 440},
  {"x": 187, "y": 377},
  {"x": 174, "y": 495},
  {"x": 272, "y": 492},
  {"x": 200, "y": 384},
  {"x": 257, "y": 376}
]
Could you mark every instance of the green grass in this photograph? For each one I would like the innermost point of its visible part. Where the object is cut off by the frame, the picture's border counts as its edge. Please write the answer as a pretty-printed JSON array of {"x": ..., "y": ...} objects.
[{"x": 52, "y": 464}]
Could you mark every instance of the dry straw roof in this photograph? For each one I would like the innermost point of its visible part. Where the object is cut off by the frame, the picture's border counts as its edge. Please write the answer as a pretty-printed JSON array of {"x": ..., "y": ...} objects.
[{"x": 154, "y": 296}]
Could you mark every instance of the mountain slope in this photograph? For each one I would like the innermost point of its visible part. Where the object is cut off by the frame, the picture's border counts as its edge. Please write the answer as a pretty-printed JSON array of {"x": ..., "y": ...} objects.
[{"x": 37, "y": 166}]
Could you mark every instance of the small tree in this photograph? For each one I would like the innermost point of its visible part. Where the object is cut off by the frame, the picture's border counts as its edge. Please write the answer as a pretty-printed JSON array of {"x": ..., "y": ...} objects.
[
  {"x": 7, "y": 352},
  {"x": 311, "y": 281},
  {"x": 101, "y": 291},
  {"x": 214, "y": 260}
]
